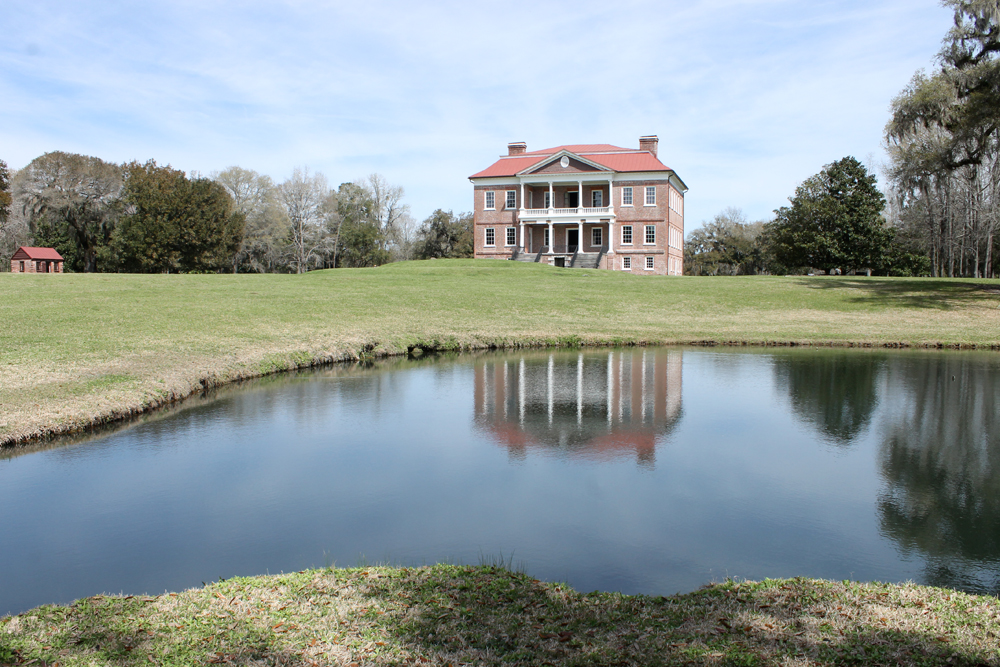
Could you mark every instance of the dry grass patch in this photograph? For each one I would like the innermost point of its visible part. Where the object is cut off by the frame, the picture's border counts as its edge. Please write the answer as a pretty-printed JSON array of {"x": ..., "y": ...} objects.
[{"x": 457, "y": 615}]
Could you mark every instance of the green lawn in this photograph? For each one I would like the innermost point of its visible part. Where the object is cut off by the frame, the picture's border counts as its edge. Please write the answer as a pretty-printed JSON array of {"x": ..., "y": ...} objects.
[
  {"x": 81, "y": 349},
  {"x": 78, "y": 349}
]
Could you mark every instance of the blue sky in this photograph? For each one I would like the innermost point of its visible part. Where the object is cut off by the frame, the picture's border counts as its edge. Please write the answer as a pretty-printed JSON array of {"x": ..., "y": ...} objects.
[{"x": 748, "y": 97}]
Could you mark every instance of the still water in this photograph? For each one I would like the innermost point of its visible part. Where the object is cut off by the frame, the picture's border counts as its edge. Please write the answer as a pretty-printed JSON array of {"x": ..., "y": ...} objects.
[{"x": 637, "y": 470}]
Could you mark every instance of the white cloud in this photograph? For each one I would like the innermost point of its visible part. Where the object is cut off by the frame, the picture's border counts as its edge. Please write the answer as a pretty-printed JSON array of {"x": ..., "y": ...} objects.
[{"x": 749, "y": 97}]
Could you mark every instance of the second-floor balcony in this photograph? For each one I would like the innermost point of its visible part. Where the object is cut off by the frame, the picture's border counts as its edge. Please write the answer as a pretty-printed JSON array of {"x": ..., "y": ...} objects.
[{"x": 557, "y": 213}]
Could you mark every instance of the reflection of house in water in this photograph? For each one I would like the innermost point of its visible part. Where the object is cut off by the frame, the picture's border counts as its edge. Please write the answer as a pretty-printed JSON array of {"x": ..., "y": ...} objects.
[{"x": 592, "y": 404}]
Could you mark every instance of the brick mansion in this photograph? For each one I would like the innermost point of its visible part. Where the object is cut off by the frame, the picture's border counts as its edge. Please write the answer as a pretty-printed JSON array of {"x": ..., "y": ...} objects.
[{"x": 585, "y": 206}]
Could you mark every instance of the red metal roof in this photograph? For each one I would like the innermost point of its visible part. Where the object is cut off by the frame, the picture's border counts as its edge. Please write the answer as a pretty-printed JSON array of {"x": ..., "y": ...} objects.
[
  {"x": 508, "y": 166},
  {"x": 637, "y": 161},
  {"x": 580, "y": 148},
  {"x": 612, "y": 157},
  {"x": 27, "y": 252}
]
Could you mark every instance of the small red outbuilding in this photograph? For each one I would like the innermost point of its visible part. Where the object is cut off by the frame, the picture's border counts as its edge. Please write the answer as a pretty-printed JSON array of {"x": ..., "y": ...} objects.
[{"x": 36, "y": 260}]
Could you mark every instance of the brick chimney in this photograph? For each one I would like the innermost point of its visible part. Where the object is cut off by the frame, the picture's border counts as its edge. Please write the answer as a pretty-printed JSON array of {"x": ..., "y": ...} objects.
[
  {"x": 516, "y": 148},
  {"x": 649, "y": 143}
]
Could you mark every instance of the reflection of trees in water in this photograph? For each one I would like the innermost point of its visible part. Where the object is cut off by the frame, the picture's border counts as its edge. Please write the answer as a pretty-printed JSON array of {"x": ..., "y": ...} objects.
[
  {"x": 590, "y": 404},
  {"x": 834, "y": 390},
  {"x": 940, "y": 459}
]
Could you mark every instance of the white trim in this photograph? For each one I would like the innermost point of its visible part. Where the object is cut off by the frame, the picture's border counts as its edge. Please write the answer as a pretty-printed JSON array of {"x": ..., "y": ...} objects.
[
  {"x": 494, "y": 181},
  {"x": 632, "y": 176},
  {"x": 487, "y": 206},
  {"x": 486, "y": 238},
  {"x": 594, "y": 193},
  {"x": 645, "y": 195},
  {"x": 627, "y": 260},
  {"x": 650, "y": 264},
  {"x": 631, "y": 195},
  {"x": 546, "y": 160},
  {"x": 506, "y": 240},
  {"x": 506, "y": 200},
  {"x": 600, "y": 232},
  {"x": 675, "y": 239},
  {"x": 645, "y": 234},
  {"x": 616, "y": 176},
  {"x": 571, "y": 177},
  {"x": 631, "y": 235}
]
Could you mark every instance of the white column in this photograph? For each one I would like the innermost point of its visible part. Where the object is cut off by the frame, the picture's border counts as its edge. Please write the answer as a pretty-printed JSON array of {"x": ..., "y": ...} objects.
[
  {"x": 552, "y": 196},
  {"x": 521, "y": 207},
  {"x": 521, "y": 242},
  {"x": 520, "y": 392},
  {"x": 506, "y": 390},
  {"x": 611, "y": 223},
  {"x": 552, "y": 237},
  {"x": 579, "y": 237},
  {"x": 579, "y": 196},
  {"x": 550, "y": 378},
  {"x": 611, "y": 365},
  {"x": 643, "y": 386}
]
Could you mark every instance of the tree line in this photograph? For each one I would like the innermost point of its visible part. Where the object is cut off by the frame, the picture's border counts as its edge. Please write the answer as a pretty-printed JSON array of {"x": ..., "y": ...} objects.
[
  {"x": 834, "y": 224},
  {"x": 148, "y": 218},
  {"x": 940, "y": 212}
]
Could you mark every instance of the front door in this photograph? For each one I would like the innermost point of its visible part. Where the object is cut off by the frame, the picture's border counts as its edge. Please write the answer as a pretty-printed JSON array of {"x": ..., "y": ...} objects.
[{"x": 573, "y": 239}]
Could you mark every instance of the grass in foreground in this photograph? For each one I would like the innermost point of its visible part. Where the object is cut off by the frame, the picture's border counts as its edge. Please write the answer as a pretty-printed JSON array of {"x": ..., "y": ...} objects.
[
  {"x": 79, "y": 349},
  {"x": 457, "y": 615}
]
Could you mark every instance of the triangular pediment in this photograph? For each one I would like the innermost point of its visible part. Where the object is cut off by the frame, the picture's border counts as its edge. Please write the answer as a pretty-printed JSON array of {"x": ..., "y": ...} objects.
[{"x": 564, "y": 162}]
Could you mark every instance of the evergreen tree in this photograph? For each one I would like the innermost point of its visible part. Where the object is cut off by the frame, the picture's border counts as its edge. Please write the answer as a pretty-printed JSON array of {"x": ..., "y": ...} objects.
[
  {"x": 834, "y": 222},
  {"x": 444, "y": 234},
  {"x": 174, "y": 224}
]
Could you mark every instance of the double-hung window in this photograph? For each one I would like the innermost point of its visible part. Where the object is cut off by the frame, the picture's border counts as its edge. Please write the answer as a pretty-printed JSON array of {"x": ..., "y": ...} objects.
[
  {"x": 597, "y": 198},
  {"x": 597, "y": 237},
  {"x": 548, "y": 199},
  {"x": 650, "y": 238},
  {"x": 649, "y": 263},
  {"x": 627, "y": 195},
  {"x": 491, "y": 200},
  {"x": 491, "y": 237},
  {"x": 626, "y": 234},
  {"x": 511, "y": 235},
  {"x": 650, "y": 195},
  {"x": 546, "y": 240},
  {"x": 511, "y": 199}
]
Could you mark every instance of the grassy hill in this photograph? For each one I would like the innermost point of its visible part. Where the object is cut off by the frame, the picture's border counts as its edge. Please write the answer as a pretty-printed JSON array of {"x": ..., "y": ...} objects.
[
  {"x": 456, "y": 615},
  {"x": 79, "y": 349}
]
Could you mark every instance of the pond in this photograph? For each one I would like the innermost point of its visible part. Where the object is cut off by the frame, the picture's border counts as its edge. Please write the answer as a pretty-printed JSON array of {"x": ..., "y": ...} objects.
[{"x": 650, "y": 470}]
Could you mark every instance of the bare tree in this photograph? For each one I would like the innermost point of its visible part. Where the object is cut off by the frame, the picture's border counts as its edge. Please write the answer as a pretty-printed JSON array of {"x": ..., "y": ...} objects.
[
  {"x": 389, "y": 212},
  {"x": 267, "y": 228},
  {"x": 303, "y": 198}
]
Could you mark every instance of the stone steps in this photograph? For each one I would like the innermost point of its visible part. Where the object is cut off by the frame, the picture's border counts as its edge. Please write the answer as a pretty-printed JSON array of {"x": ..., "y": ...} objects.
[{"x": 587, "y": 260}]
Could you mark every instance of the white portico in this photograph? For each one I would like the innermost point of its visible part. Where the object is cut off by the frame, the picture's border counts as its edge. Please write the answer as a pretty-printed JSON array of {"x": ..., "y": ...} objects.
[{"x": 575, "y": 213}]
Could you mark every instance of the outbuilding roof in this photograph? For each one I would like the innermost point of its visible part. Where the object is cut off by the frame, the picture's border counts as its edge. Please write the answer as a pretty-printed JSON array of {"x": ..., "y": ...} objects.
[
  {"x": 614, "y": 158},
  {"x": 29, "y": 252}
]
